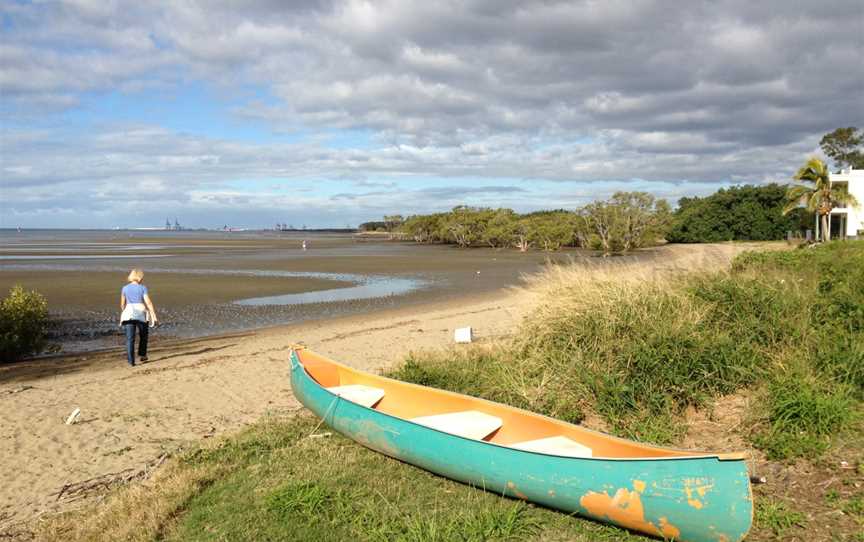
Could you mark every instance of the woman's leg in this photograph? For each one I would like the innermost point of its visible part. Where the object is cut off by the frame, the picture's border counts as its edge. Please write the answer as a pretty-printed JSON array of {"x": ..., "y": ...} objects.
[
  {"x": 129, "y": 328},
  {"x": 143, "y": 329}
]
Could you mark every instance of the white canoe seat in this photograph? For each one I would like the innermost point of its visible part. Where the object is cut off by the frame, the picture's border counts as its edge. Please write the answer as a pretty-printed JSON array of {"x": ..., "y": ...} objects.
[
  {"x": 554, "y": 446},
  {"x": 469, "y": 424},
  {"x": 358, "y": 393}
]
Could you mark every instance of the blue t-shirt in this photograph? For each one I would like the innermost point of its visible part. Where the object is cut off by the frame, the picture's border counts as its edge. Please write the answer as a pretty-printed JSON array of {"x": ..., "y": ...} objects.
[{"x": 134, "y": 292}]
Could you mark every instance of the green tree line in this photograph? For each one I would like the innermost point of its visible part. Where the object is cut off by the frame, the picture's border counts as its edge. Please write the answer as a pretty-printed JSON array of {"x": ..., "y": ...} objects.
[{"x": 626, "y": 221}]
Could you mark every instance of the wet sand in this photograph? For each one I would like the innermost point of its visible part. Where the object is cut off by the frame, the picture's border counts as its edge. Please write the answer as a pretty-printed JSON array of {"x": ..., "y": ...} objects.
[{"x": 197, "y": 278}]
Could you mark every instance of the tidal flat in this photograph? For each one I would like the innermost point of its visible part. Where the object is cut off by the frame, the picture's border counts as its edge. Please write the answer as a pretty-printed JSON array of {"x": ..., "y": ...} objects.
[{"x": 209, "y": 282}]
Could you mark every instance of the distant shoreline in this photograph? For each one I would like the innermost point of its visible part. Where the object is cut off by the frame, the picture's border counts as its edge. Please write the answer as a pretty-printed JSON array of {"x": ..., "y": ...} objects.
[{"x": 191, "y": 230}]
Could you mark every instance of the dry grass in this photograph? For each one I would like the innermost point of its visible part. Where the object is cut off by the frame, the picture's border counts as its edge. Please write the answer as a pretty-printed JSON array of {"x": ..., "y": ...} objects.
[
  {"x": 137, "y": 512},
  {"x": 273, "y": 482}
]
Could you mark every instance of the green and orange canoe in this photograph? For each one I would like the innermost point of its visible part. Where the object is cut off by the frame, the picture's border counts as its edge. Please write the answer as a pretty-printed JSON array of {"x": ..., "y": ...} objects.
[{"x": 675, "y": 494}]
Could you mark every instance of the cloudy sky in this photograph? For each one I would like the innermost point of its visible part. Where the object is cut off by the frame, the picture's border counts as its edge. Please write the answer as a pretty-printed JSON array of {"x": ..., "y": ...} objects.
[{"x": 330, "y": 113}]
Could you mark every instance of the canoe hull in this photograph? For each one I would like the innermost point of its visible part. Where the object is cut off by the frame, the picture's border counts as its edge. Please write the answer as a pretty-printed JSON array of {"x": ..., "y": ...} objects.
[{"x": 696, "y": 499}]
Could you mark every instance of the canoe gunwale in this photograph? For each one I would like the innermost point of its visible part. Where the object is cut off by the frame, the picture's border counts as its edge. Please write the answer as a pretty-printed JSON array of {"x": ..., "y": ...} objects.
[{"x": 690, "y": 454}]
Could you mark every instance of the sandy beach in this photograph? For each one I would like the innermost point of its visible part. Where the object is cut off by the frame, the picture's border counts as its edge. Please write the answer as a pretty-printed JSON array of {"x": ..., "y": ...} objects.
[
  {"x": 133, "y": 418},
  {"x": 189, "y": 391}
]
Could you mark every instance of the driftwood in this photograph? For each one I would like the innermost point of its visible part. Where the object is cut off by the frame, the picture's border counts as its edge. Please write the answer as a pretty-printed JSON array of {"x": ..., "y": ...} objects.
[
  {"x": 104, "y": 482},
  {"x": 18, "y": 390}
]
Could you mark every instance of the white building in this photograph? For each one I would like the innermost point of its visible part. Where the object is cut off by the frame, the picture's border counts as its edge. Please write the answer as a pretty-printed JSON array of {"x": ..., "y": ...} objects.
[{"x": 848, "y": 221}]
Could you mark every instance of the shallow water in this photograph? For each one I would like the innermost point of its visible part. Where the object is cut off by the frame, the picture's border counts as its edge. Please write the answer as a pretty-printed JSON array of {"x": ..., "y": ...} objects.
[
  {"x": 370, "y": 288},
  {"x": 83, "y": 256},
  {"x": 206, "y": 283}
]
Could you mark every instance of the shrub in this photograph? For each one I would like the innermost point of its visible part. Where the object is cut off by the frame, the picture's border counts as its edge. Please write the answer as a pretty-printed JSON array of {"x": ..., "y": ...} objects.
[
  {"x": 738, "y": 213},
  {"x": 23, "y": 323}
]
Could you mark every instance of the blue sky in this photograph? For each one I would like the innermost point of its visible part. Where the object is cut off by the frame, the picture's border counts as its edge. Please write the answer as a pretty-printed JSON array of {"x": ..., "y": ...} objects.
[{"x": 333, "y": 113}]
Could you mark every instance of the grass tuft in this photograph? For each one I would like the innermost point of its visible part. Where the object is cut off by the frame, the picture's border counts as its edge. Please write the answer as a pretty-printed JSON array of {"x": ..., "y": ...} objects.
[
  {"x": 777, "y": 516},
  {"x": 307, "y": 499},
  {"x": 804, "y": 414}
]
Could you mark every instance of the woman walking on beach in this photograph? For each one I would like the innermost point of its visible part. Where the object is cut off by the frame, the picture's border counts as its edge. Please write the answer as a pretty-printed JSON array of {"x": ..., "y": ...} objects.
[{"x": 137, "y": 309}]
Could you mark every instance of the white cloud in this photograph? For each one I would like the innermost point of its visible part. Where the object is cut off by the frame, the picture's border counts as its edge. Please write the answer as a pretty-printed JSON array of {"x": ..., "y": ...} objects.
[{"x": 702, "y": 92}]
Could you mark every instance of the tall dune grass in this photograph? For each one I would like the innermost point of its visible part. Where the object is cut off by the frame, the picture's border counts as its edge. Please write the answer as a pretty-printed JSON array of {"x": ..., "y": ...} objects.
[{"x": 638, "y": 348}]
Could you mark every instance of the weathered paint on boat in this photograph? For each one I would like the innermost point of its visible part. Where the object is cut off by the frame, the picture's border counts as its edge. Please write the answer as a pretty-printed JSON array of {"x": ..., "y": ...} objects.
[{"x": 684, "y": 495}]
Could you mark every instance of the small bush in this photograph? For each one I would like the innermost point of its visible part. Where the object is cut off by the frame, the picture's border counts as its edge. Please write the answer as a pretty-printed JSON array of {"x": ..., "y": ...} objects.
[{"x": 23, "y": 323}]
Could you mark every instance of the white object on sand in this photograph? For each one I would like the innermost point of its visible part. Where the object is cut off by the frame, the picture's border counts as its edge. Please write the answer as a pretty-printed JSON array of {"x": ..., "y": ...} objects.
[
  {"x": 463, "y": 335},
  {"x": 73, "y": 417}
]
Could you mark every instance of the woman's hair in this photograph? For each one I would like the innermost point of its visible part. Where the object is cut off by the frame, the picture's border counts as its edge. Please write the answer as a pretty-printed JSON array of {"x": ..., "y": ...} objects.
[{"x": 136, "y": 275}]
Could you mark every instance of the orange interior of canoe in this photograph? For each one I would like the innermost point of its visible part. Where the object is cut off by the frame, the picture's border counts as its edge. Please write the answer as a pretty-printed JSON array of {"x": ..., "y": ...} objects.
[{"x": 406, "y": 401}]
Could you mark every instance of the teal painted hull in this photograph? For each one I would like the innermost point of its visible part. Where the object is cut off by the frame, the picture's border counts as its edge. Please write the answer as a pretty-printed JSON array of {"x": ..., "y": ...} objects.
[{"x": 695, "y": 499}]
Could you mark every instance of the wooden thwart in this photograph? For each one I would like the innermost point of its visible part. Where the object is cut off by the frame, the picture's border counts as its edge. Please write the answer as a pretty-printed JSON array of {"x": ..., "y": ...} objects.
[
  {"x": 554, "y": 446},
  {"x": 357, "y": 393},
  {"x": 469, "y": 424}
]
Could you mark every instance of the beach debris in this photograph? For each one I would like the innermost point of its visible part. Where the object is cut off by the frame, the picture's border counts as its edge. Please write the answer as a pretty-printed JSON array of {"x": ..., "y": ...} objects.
[
  {"x": 758, "y": 480},
  {"x": 104, "y": 482},
  {"x": 18, "y": 389},
  {"x": 321, "y": 435},
  {"x": 463, "y": 335},
  {"x": 73, "y": 417}
]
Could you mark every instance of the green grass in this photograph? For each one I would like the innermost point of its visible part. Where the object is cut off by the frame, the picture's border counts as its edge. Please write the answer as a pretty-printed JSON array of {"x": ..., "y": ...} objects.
[
  {"x": 777, "y": 516},
  {"x": 272, "y": 482},
  {"x": 855, "y": 507},
  {"x": 639, "y": 354},
  {"x": 804, "y": 412}
]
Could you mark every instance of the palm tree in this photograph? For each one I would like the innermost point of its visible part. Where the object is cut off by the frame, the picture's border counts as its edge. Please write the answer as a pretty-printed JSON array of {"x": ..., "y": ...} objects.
[{"x": 817, "y": 195}]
